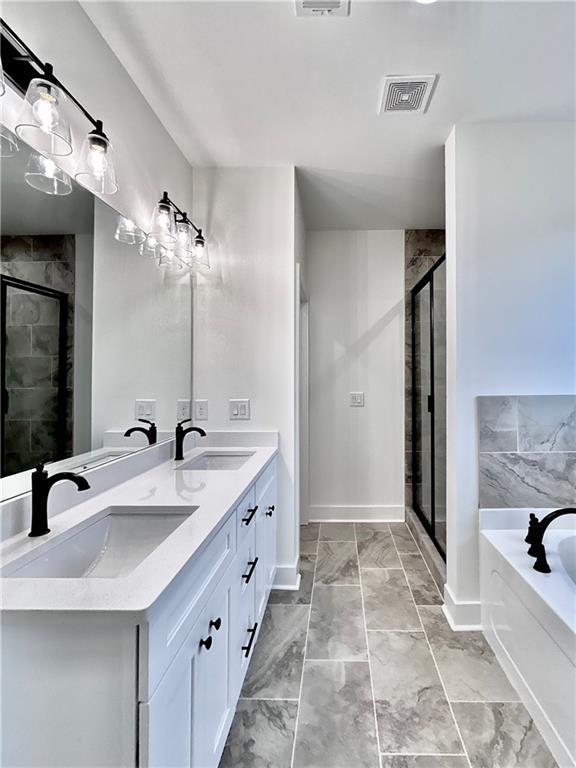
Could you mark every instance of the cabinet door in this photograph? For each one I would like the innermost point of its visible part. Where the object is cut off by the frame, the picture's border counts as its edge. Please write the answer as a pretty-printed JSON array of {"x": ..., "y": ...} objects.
[
  {"x": 266, "y": 534},
  {"x": 243, "y": 621},
  {"x": 213, "y": 705}
]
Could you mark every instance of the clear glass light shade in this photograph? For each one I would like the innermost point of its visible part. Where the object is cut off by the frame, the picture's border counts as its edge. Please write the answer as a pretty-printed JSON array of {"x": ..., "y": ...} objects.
[
  {"x": 201, "y": 260},
  {"x": 128, "y": 232},
  {"x": 2, "y": 82},
  {"x": 43, "y": 174},
  {"x": 149, "y": 247},
  {"x": 43, "y": 121},
  {"x": 184, "y": 244},
  {"x": 163, "y": 226},
  {"x": 168, "y": 260},
  {"x": 95, "y": 169},
  {"x": 8, "y": 143}
]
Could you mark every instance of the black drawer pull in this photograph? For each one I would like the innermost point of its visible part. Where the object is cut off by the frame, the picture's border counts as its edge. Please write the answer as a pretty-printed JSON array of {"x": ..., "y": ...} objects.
[
  {"x": 206, "y": 643},
  {"x": 252, "y": 512},
  {"x": 270, "y": 510},
  {"x": 216, "y": 623},
  {"x": 248, "y": 576},
  {"x": 252, "y": 633}
]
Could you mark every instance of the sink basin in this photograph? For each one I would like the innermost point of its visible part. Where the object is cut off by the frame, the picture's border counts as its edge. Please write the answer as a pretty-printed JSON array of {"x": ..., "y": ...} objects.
[
  {"x": 209, "y": 461},
  {"x": 110, "y": 547}
]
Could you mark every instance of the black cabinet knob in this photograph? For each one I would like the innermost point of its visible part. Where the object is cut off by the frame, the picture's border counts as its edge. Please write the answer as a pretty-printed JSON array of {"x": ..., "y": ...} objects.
[
  {"x": 270, "y": 510},
  {"x": 216, "y": 623},
  {"x": 206, "y": 643}
]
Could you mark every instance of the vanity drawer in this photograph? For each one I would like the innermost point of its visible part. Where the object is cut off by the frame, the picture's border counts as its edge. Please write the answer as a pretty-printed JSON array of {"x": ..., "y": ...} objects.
[
  {"x": 245, "y": 515},
  {"x": 173, "y": 616}
]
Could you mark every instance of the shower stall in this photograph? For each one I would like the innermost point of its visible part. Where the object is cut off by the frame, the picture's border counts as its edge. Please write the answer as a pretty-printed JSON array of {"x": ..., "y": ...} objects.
[{"x": 428, "y": 311}]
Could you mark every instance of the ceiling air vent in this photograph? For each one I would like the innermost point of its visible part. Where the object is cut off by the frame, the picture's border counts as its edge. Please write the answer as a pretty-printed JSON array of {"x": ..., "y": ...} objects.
[
  {"x": 322, "y": 7},
  {"x": 403, "y": 93}
]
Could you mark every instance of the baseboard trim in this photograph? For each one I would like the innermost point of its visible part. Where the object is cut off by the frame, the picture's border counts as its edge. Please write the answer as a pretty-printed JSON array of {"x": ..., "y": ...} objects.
[
  {"x": 461, "y": 615},
  {"x": 364, "y": 513},
  {"x": 287, "y": 577}
]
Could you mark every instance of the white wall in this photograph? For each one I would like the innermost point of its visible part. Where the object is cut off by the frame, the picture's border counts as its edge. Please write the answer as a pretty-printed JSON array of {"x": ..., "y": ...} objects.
[
  {"x": 511, "y": 299},
  {"x": 356, "y": 289},
  {"x": 147, "y": 159},
  {"x": 142, "y": 334},
  {"x": 244, "y": 317}
]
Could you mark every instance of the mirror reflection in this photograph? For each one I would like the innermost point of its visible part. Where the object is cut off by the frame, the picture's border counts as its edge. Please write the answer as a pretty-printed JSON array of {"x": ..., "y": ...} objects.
[{"x": 86, "y": 320}]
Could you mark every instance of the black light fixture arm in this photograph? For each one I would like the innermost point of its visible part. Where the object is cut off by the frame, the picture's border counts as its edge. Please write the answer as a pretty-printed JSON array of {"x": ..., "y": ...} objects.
[
  {"x": 183, "y": 215},
  {"x": 48, "y": 72}
]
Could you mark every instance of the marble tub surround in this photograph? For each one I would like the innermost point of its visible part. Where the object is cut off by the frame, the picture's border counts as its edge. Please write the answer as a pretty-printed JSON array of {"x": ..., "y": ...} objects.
[
  {"x": 527, "y": 450},
  {"x": 380, "y": 698}
]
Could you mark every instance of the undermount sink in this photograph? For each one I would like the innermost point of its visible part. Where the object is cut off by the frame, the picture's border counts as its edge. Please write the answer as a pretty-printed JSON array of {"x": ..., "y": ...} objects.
[
  {"x": 112, "y": 546},
  {"x": 210, "y": 461}
]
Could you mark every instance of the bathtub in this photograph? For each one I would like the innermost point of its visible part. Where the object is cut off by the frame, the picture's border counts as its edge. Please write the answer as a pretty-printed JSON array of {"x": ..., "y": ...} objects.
[{"x": 529, "y": 619}]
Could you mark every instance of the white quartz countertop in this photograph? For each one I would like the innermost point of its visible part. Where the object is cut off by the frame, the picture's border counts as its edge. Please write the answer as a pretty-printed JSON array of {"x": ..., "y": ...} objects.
[{"x": 214, "y": 492}]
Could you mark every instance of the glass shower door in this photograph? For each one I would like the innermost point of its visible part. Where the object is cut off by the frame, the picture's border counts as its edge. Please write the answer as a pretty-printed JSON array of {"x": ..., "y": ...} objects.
[{"x": 429, "y": 402}]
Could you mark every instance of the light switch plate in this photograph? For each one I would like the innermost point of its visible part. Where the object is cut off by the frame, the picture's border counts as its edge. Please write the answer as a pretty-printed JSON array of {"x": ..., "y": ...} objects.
[
  {"x": 239, "y": 410},
  {"x": 201, "y": 410},
  {"x": 182, "y": 410},
  {"x": 145, "y": 409},
  {"x": 357, "y": 399}
]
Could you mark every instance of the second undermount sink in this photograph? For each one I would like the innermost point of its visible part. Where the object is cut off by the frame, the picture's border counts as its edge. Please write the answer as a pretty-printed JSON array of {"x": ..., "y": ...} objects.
[
  {"x": 220, "y": 460},
  {"x": 110, "y": 547}
]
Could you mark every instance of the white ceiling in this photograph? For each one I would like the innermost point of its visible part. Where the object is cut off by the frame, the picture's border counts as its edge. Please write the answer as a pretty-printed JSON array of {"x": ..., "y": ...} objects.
[{"x": 250, "y": 84}]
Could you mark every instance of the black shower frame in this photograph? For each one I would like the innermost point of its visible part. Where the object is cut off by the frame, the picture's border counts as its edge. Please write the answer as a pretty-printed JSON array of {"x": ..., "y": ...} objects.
[
  {"x": 429, "y": 526},
  {"x": 62, "y": 396}
]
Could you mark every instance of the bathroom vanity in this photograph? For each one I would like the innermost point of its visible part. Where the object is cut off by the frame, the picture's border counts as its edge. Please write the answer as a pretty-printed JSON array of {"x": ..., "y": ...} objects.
[{"x": 127, "y": 631}]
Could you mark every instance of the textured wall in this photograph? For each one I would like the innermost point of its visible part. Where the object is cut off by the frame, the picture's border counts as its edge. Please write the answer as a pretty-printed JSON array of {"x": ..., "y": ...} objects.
[
  {"x": 527, "y": 450},
  {"x": 422, "y": 249}
]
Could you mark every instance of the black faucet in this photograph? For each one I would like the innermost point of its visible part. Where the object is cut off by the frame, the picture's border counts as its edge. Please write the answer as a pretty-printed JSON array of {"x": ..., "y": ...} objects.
[
  {"x": 151, "y": 433},
  {"x": 536, "y": 531},
  {"x": 181, "y": 434},
  {"x": 41, "y": 486}
]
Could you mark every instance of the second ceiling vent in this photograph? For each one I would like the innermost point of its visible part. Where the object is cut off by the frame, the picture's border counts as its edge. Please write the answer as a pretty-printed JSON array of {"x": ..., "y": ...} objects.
[{"x": 407, "y": 93}]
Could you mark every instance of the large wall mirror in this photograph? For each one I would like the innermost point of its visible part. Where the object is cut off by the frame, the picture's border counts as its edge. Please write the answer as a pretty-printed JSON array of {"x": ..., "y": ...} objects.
[{"x": 89, "y": 326}]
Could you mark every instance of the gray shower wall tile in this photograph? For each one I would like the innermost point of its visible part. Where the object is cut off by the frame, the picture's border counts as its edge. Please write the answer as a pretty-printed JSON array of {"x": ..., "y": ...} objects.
[{"x": 498, "y": 423}]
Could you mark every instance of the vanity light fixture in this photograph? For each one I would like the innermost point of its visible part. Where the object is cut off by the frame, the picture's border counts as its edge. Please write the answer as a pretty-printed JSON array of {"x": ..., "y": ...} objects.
[
  {"x": 43, "y": 174},
  {"x": 127, "y": 232},
  {"x": 8, "y": 142},
  {"x": 173, "y": 229},
  {"x": 163, "y": 224},
  {"x": 149, "y": 247},
  {"x": 44, "y": 122}
]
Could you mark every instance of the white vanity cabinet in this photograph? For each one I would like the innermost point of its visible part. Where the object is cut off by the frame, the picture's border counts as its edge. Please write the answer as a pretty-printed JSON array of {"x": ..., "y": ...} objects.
[{"x": 185, "y": 722}]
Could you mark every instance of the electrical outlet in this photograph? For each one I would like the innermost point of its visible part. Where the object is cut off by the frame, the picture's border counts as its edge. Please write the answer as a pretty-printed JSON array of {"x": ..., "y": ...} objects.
[
  {"x": 182, "y": 410},
  {"x": 357, "y": 399},
  {"x": 145, "y": 409},
  {"x": 239, "y": 410},
  {"x": 201, "y": 410}
]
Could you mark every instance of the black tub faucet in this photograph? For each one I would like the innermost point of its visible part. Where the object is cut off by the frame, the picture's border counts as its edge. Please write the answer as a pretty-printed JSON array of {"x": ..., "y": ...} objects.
[
  {"x": 41, "y": 486},
  {"x": 181, "y": 434},
  {"x": 536, "y": 530},
  {"x": 151, "y": 433}
]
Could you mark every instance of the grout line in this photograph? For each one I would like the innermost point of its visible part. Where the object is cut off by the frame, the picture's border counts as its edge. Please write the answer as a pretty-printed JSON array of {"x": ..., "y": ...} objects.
[
  {"x": 263, "y": 698},
  {"x": 337, "y": 661},
  {"x": 296, "y": 722},
  {"x": 368, "y": 654},
  {"x": 409, "y": 631},
  {"x": 436, "y": 665},
  {"x": 422, "y": 754}
]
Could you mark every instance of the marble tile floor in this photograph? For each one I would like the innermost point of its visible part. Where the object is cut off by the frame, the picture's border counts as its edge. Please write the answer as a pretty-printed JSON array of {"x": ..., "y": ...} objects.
[{"x": 360, "y": 669}]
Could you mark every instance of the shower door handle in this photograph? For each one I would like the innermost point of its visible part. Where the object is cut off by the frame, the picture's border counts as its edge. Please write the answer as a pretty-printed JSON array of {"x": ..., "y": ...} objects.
[{"x": 430, "y": 403}]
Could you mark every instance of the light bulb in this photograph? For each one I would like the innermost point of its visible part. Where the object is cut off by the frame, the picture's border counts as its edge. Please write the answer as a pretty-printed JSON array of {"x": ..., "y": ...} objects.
[
  {"x": 97, "y": 161},
  {"x": 45, "y": 110},
  {"x": 95, "y": 169}
]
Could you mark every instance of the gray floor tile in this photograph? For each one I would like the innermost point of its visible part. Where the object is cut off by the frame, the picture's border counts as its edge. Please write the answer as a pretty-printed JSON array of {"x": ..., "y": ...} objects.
[
  {"x": 501, "y": 736},
  {"x": 309, "y": 538},
  {"x": 262, "y": 735},
  {"x": 336, "y": 718},
  {"x": 469, "y": 668},
  {"x": 275, "y": 670},
  {"x": 336, "y": 629},
  {"x": 403, "y": 538},
  {"x": 412, "y": 711},
  {"x": 375, "y": 546},
  {"x": 337, "y": 532},
  {"x": 424, "y": 761},
  {"x": 337, "y": 563},
  {"x": 423, "y": 586},
  {"x": 387, "y": 600},
  {"x": 300, "y": 596}
]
